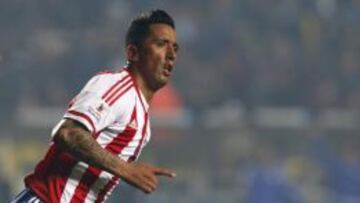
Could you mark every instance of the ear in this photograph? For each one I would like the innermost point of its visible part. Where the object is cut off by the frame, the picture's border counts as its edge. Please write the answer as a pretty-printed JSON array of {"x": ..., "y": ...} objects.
[{"x": 132, "y": 53}]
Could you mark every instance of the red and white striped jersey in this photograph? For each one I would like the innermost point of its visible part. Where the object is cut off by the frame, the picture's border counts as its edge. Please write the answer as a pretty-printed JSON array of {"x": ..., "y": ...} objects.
[{"x": 113, "y": 108}]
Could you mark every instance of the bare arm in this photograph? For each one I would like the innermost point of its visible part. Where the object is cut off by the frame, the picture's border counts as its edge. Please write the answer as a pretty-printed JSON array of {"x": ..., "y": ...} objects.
[{"x": 77, "y": 140}]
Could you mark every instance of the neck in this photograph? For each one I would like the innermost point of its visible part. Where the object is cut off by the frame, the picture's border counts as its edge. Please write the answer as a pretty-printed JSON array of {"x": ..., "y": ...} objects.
[{"x": 142, "y": 85}]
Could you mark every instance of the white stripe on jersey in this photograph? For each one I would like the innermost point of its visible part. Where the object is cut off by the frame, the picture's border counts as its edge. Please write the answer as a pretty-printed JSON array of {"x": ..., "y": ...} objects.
[
  {"x": 73, "y": 181},
  {"x": 103, "y": 179},
  {"x": 105, "y": 138},
  {"x": 100, "y": 183},
  {"x": 109, "y": 191},
  {"x": 32, "y": 200}
]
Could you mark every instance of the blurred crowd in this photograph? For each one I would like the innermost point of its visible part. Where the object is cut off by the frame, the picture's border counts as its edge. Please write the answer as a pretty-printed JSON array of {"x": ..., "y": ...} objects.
[
  {"x": 262, "y": 52},
  {"x": 273, "y": 53},
  {"x": 244, "y": 166}
]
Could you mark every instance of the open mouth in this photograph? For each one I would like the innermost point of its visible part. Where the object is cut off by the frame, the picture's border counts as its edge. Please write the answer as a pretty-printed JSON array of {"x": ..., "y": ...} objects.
[{"x": 166, "y": 72}]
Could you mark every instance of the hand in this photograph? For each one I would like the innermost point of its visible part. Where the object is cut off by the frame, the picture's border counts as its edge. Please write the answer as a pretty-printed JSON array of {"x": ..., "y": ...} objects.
[{"x": 144, "y": 176}]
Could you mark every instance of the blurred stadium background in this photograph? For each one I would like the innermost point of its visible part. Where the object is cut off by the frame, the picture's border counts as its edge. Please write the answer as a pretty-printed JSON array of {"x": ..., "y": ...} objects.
[{"x": 264, "y": 104}]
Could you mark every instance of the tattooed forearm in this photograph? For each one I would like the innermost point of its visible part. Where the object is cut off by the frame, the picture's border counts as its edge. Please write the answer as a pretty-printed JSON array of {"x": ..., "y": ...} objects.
[
  {"x": 74, "y": 137},
  {"x": 77, "y": 140}
]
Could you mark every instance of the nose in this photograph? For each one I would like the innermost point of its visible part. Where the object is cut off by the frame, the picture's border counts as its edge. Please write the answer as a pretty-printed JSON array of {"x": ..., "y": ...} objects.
[{"x": 171, "y": 53}]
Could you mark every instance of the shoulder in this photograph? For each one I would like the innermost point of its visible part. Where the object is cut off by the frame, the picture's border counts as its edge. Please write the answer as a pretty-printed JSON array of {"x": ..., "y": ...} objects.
[
  {"x": 116, "y": 88},
  {"x": 103, "y": 72},
  {"x": 105, "y": 79}
]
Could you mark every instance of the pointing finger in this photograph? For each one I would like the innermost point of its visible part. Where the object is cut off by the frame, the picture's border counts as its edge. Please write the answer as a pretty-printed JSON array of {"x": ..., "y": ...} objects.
[{"x": 164, "y": 172}]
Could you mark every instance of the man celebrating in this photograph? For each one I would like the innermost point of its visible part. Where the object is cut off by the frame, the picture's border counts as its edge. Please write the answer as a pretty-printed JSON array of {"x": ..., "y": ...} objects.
[{"x": 107, "y": 124}]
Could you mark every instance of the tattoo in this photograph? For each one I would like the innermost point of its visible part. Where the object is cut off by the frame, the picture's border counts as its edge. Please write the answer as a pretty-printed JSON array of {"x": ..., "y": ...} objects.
[{"x": 78, "y": 141}]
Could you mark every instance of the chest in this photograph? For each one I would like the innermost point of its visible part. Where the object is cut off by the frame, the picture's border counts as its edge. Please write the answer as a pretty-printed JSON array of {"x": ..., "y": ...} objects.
[{"x": 128, "y": 134}]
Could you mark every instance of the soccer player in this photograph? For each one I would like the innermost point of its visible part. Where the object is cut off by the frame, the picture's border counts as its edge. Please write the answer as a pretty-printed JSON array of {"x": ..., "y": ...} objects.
[{"x": 107, "y": 124}]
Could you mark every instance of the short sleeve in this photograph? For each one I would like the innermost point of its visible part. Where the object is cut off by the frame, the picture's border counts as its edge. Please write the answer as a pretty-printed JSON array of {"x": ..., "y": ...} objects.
[{"x": 89, "y": 108}]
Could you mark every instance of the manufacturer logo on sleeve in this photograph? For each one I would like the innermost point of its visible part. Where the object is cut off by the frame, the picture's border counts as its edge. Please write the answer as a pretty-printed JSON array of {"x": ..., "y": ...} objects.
[{"x": 97, "y": 111}]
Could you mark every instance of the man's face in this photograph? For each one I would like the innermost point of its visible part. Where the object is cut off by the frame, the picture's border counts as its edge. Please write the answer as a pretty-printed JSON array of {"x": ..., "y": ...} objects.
[{"x": 157, "y": 55}]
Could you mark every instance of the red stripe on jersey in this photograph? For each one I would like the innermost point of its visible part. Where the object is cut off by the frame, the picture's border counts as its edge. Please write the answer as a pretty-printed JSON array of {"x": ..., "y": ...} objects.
[
  {"x": 120, "y": 94},
  {"x": 118, "y": 89},
  {"x": 67, "y": 164},
  {"x": 123, "y": 138},
  {"x": 139, "y": 95},
  {"x": 87, "y": 180},
  {"x": 137, "y": 150},
  {"x": 107, "y": 188},
  {"x": 115, "y": 85},
  {"x": 48, "y": 180},
  {"x": 86, "y": 117},
  {"x": 119, "y": 143},
  {"x": 92, "y": 173},
  {"x": 138, "y": 91}
]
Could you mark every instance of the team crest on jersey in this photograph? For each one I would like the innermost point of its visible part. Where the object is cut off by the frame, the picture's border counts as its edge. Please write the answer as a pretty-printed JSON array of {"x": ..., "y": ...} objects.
[{"x": 133, "y": 124}]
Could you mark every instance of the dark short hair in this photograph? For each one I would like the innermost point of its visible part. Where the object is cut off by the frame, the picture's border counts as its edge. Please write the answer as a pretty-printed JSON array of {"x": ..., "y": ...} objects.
[{"x": 140, "y": 26}]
